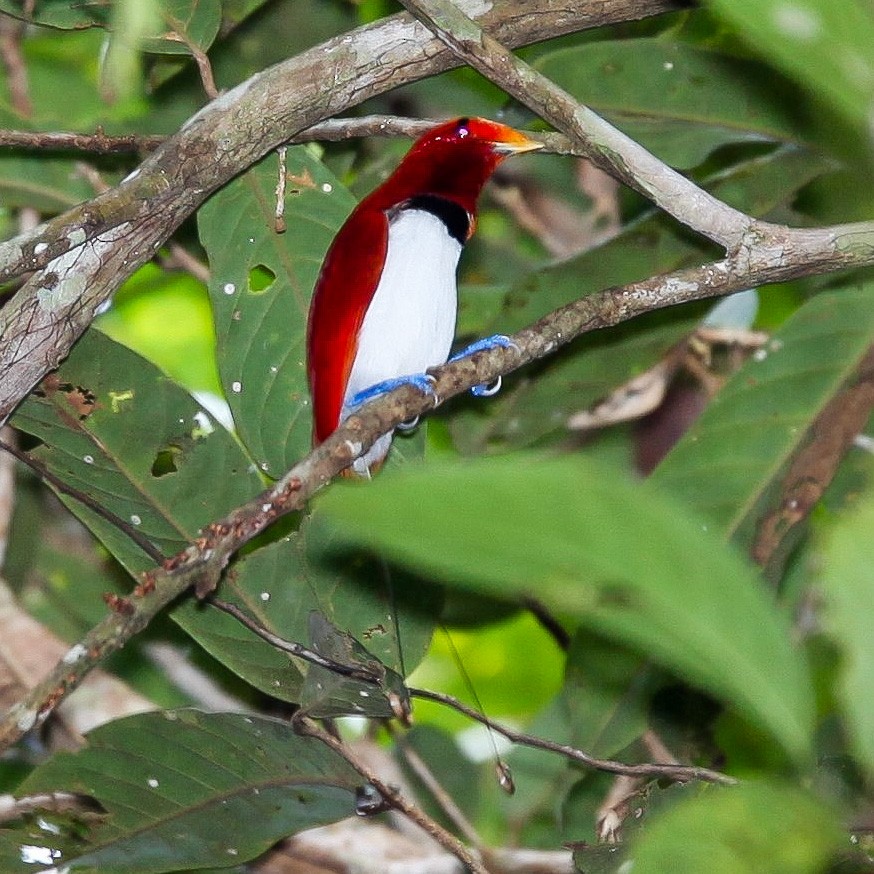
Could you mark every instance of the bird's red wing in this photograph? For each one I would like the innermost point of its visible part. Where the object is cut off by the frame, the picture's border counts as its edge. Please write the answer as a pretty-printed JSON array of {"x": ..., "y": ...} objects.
[{"x": 343, "y": 292}]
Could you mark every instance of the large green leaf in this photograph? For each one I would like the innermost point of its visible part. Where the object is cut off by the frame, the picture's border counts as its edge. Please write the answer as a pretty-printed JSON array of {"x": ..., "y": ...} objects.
[
  {"x": 825, "y": 46},
  {"x": 62, "y": 87},
  {"x": 619, "y": 557},
  {"x": 196, "y": 20},
  {"x": 847, "y": 584},
  {"x": 763, "y": 827},
  {"x": 728, "y": 462},
  {"x": 679, "y": 101},
  {"x": 114, "y": 427},
  {"x": 530, "y": 409},
  {"x": 261, "y": 283},
  {"x": 181, "y": 789}
]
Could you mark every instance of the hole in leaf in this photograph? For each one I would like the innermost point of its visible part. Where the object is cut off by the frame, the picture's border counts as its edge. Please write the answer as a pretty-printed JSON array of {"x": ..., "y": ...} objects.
[
  {"x": 165, "y": 461},
  {"x": 261, "y": 277},
  {"x": 81, "y": 399}
]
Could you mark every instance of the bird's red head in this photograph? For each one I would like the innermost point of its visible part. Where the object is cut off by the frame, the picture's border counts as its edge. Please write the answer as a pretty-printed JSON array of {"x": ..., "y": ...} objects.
[{"x": 453, "y": 160}]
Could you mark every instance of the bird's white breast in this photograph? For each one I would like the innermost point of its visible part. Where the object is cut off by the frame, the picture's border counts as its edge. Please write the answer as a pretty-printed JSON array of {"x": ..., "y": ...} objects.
[{"x": 410, "y": 323}]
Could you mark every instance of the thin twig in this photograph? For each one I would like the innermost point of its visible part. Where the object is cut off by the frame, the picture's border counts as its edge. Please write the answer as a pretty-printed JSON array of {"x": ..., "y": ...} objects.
[
  {"x": 447, "y": 803},
  {"x": 97, "y": 143},
  {"x": 548, "y": 622},
  {"x": 204, "y": 67},
  {"x": 86, "y": 500},
  {"x": 664, "y": 771},
  {"x": 279, "y": 214},
  {"x": 395, "y": 799},
  {"x": 181, "y": 258},
  {"x": 331, "y": 130},
  {"x": 292, "y": 648},
  {"x": 11, "y": 32}
]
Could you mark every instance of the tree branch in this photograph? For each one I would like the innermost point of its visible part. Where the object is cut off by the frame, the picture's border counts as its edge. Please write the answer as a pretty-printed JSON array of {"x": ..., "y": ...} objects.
[
  {"x": 97, "y": 143},
  {"x": 830, "y": 437},
  {"x": 202, "y": 563},
  {"x": 83, "y": 256}
]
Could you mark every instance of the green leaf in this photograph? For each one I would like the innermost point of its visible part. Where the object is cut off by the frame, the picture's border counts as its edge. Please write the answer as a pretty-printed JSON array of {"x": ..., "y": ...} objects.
[
  {"x": 823, "y": 45},
  {"x": 260, "y": 288},
  {"x": 163, "y": 483},
  {"x": 726, "y": 465},
  {"x": 846, "y": 584},
  {"x": 184, "y": 23},
  {"x": 62, "y": 86},
  {"x": 166, "y": 317},
  {"x": 234, "y": 12},
  {"x": 768, "y": 828},
  {"x": 184, "y": 789},
  {"x": 679, "y": 101},
  {"x": 619, "y": 557},
  {"x": 64, "y": 14},
  {"x": 328, "y": 693}
]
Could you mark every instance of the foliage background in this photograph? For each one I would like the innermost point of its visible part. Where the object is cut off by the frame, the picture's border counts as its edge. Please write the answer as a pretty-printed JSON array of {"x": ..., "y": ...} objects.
[{"x": 763, "y": 674}]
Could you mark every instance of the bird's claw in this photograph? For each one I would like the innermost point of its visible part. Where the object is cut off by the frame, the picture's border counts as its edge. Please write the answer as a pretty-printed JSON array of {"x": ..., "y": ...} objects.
[
  {"x": 502, "y": 340},
  {"x": 422, "y": 381},
  {"x": 487, "y": 390}
]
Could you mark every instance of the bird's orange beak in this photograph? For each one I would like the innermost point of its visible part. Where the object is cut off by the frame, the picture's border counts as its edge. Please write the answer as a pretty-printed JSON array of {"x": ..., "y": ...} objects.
[{"x": 512, "y": 142}]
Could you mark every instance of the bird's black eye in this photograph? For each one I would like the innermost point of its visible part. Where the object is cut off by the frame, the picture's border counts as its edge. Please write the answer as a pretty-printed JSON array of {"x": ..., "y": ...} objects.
[{"x": 462, "y": 127}]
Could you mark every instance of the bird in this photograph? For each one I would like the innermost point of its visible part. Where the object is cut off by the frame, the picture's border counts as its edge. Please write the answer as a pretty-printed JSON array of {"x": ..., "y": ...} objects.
[{"x": 384, "y": 304}]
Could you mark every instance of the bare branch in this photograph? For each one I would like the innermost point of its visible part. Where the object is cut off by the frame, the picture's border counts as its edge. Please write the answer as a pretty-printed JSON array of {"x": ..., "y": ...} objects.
[
  {"x": 100, "y": 143},
  {"x": 97, "y": 143},
  {"x": 669, "y": 771}
]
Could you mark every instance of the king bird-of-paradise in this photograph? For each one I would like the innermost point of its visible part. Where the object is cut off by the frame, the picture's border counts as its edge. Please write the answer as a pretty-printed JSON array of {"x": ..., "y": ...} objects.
[{"x": 384, "y": 305}]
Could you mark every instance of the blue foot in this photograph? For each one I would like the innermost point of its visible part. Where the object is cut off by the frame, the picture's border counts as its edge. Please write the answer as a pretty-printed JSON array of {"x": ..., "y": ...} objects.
[
  {"x": 485, "y": 391},
  {"x": 421, "y": 381}
]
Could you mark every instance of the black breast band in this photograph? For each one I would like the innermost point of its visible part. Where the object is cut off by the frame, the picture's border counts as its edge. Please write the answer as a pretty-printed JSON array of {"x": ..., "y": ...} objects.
[{"x": 452, "y": 215}]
